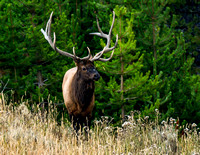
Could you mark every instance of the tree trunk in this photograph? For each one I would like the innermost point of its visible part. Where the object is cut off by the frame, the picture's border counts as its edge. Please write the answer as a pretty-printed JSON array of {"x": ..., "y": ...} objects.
[
  {"x": 39, "y": 79},
  {"x": 154, "y": 46},
  {"x": 122, "y": 79},
  {"x": 154, "y": 41},
  {"x": 122, "y": 89},
  {"x": 40, "y": 84}
]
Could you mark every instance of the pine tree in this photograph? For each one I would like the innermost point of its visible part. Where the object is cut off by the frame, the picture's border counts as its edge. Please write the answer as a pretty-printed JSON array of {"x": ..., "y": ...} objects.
[
  {"x": 165, "y": 51},
  {"x": 28, "y": 60},
  {"x": 11, "y": 46},
  {"x": 127, "y": 84}
]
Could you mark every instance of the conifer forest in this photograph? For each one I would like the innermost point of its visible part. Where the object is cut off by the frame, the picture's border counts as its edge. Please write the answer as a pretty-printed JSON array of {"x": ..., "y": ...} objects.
[{"x": 155, "y": 66}]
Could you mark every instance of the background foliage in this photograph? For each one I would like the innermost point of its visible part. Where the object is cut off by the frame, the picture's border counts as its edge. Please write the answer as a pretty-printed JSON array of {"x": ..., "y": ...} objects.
[{"x": 155, "y": 66}]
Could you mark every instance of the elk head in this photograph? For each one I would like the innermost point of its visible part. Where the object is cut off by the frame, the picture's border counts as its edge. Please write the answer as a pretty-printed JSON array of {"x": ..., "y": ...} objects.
[
  {"x": 86, "y": 70},
  {"x": 85, "y": 65}
]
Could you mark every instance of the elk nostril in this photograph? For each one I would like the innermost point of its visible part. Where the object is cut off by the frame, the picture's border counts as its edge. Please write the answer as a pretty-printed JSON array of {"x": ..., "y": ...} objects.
[{"x": 96, "y": 76}]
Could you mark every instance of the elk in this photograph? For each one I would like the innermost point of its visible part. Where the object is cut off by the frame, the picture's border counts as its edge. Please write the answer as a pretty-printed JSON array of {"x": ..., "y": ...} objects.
[{"x": 78, "y": 82}]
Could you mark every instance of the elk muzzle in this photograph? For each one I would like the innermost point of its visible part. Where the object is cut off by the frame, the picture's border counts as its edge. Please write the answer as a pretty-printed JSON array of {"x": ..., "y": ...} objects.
[{"x": 95, "y": 75}]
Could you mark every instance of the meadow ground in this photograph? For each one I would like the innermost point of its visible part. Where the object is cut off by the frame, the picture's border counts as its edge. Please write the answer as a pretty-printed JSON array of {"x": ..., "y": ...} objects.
[{"x": 25, "y": 132}]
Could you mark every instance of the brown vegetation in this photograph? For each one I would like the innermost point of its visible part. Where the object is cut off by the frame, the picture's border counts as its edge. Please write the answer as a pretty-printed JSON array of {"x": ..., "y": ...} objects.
[{"x": 25, "y": 132}]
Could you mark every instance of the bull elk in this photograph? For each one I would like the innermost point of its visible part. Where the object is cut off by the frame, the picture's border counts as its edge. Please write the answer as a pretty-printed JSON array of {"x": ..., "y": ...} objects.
[{"x": 78, "y": 82}]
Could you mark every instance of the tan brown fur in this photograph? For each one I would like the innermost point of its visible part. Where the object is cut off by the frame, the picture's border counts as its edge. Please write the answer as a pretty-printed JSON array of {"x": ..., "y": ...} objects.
[
  {"x": 78, "y": 92},
  {"x": 74, "y": 109}
]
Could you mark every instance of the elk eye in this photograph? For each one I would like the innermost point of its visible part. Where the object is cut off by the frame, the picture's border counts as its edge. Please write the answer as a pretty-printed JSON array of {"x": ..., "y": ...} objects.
[{"x": 84, "y": 69}]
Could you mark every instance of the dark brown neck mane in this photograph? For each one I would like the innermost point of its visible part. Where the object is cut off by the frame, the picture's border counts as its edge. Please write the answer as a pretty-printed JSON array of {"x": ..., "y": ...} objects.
[{"x": 82, "y": 91}]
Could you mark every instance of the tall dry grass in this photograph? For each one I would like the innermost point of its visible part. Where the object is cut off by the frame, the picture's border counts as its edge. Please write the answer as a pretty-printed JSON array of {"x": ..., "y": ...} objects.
[{"x": 25, "y": 132}]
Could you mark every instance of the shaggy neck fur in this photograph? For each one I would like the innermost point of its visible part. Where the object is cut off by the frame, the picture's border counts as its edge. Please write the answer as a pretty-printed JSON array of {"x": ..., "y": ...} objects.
[{"x": 82, "y": 91}]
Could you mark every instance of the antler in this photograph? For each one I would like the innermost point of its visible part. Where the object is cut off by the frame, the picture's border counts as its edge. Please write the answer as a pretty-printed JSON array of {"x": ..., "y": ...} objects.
[
  {"x": 47, "y": 35},
  {"x": 108, "y": 37}
]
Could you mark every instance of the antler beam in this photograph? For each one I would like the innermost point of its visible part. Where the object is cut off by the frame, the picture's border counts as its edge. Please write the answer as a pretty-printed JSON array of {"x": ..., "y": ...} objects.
[
  {"x": 47, "y": 35},
  {"x": 108, "y": 37}
]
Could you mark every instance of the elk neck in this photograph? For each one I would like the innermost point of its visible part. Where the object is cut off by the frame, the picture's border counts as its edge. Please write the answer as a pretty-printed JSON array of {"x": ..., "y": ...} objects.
[{"x": 82, "y": 91}]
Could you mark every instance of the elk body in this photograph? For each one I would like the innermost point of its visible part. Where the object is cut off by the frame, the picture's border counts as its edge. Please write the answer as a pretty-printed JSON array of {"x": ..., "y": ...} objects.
[{"x": 78, "y": 83}]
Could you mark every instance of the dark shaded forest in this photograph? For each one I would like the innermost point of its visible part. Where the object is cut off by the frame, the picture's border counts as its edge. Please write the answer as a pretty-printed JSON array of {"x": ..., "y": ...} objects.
[{"x": 156, "y": 64}]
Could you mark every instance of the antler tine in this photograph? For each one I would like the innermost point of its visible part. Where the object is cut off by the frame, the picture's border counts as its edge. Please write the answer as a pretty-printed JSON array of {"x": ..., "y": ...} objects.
[
  {"x": 48, "y": 27},
  {"x": 87, "y": 57},
  {"x": 89, "y": 53},
  {"x": 47, "y": 35},
  {"x": 104, "y": 60},
  {"x": 112, "y": 23},
  {"x": 101, "y": 34},
  {"x": 74, "y": 52},
  {"x": 108, "y": 37}
]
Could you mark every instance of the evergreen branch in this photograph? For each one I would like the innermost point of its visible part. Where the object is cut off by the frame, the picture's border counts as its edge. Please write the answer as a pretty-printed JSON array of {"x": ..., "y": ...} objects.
[
  {"x": 130, "y": 88},
  {"x": 131, "y": 98},
  {"x": 165, "y": 98},
  {"x": 149, "y": 12},
  {"x": 146, "y": 42},
  {"x": 167, "y": 38},
  {"x": 126, "y": 90},
  {"x": 134, "y": 87},
  {"x": 128, "y": 71},
  {"x": 118, "y": 91},
  {"x": 49, "y": 60},
  {"x": 116, "y": 73},
  {"x": 24, "y": 5},
  {"x": 161, "y": 8}
]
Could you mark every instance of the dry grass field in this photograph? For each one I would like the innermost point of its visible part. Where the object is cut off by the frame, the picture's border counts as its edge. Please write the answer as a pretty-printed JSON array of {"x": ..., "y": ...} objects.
[{"x": 36, "y": 133}]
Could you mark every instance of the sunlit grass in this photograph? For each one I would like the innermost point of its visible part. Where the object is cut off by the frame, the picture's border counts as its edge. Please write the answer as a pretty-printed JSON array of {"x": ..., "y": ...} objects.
[{"x": 25, "y": 132}]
